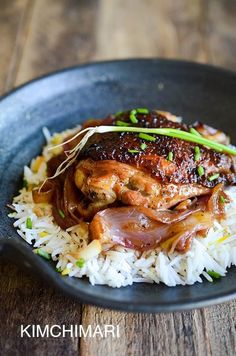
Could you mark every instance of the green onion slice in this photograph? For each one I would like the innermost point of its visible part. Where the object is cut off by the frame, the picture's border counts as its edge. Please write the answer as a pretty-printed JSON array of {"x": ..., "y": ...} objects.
[
  {"x": 222, "y": 199},
  {"x": 133, "y": 151},
  {"x": 197, "y": 154},
  {"x": 133, "y": 117},
  {"x": 29, "y": 223},
  {"x": 143, "y": 146},
  {"x": 80, "y": 263},
  {"x": 61, "y": 213},
  {"x": 214, "y": 274},
  {"x": 146, "y": 137},
  {"x": 213, "y": 177},
  {"x": 200, "y": 171},
  {"x": 43, "y": 253},
  {"x": 122, "y": 123},
  {"x": 142, "y": 111},
  {"x": 170, "y": 156}
]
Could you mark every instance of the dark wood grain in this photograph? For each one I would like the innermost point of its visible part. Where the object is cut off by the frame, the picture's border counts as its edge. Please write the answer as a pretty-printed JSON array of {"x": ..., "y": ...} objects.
[
  {"x": 61, "y": 34},
  {"x": 38, "y": 36},
  {"x": 151, "y": 28},
  {"x": 25, "y": 300},
  {"x": 221, "y": 32},
  {"x": 208, "y": 331},
  {"x": 40, "y": 27},
  {"x": 13, "y": 19}
]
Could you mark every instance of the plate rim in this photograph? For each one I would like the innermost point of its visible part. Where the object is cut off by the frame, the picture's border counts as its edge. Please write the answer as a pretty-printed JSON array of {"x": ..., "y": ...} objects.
[
  {"x": 49, "y": 273},
  {"x": 95, "y": 63}
]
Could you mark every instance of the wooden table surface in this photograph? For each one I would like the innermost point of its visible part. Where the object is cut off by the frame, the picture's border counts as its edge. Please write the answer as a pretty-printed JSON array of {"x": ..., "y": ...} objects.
[{"x": 38, "y": 36}]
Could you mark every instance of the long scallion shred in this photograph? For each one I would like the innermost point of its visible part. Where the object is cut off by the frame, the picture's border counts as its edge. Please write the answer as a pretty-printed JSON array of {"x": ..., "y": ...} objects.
[
  {"x": 144, "y": 133},
  {"x": 176, "y": 133}
]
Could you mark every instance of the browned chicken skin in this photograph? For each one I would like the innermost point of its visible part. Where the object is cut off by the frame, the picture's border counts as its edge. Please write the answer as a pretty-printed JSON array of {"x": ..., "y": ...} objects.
[
  {"x": 107, "y": 172},
  {"x": 154, "y": 159}
]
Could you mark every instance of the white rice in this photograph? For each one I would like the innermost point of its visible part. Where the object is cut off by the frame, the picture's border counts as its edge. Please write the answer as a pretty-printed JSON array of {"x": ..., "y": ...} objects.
[{"x": 121, "y": 266}]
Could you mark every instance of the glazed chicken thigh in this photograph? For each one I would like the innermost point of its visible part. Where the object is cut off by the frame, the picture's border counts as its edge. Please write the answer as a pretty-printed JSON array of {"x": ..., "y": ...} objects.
[{"x": 143, "y": 191}]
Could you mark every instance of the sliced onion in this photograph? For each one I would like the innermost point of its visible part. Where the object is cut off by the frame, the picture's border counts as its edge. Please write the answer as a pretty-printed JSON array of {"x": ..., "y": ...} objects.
[{"x": 132, "y": 228}]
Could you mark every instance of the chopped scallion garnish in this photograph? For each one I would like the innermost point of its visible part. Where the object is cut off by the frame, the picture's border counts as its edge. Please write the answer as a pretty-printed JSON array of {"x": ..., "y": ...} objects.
[
  {"x": 122, "y": 123},
  {"x": 142, "y": 111},
  {"x": 43, "y": 253},
  {"x": 80, "y": 263},
  {"x": 213, "y": 177},
  {"x": 146, "y": 137},
  {"x": 143, "y": 146},
  {"x": 170, "y": 156},
  {"x": 222, "y": 199},
  {"x": 214, "y": 274},
  {"x": 29, "y": 223},
  {"x": 133, "y": 117},
  {"x": 197, "y": 154},
  {"x": 194, "y": 132},
  {"x": 61, "y": 213},
  {"x": 133, "y": 151},
  {"x": 200, "y": 171}
]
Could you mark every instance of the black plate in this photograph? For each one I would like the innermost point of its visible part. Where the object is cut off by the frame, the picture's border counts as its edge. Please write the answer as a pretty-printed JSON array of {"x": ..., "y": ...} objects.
[{"x": 64, "y": 99}]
